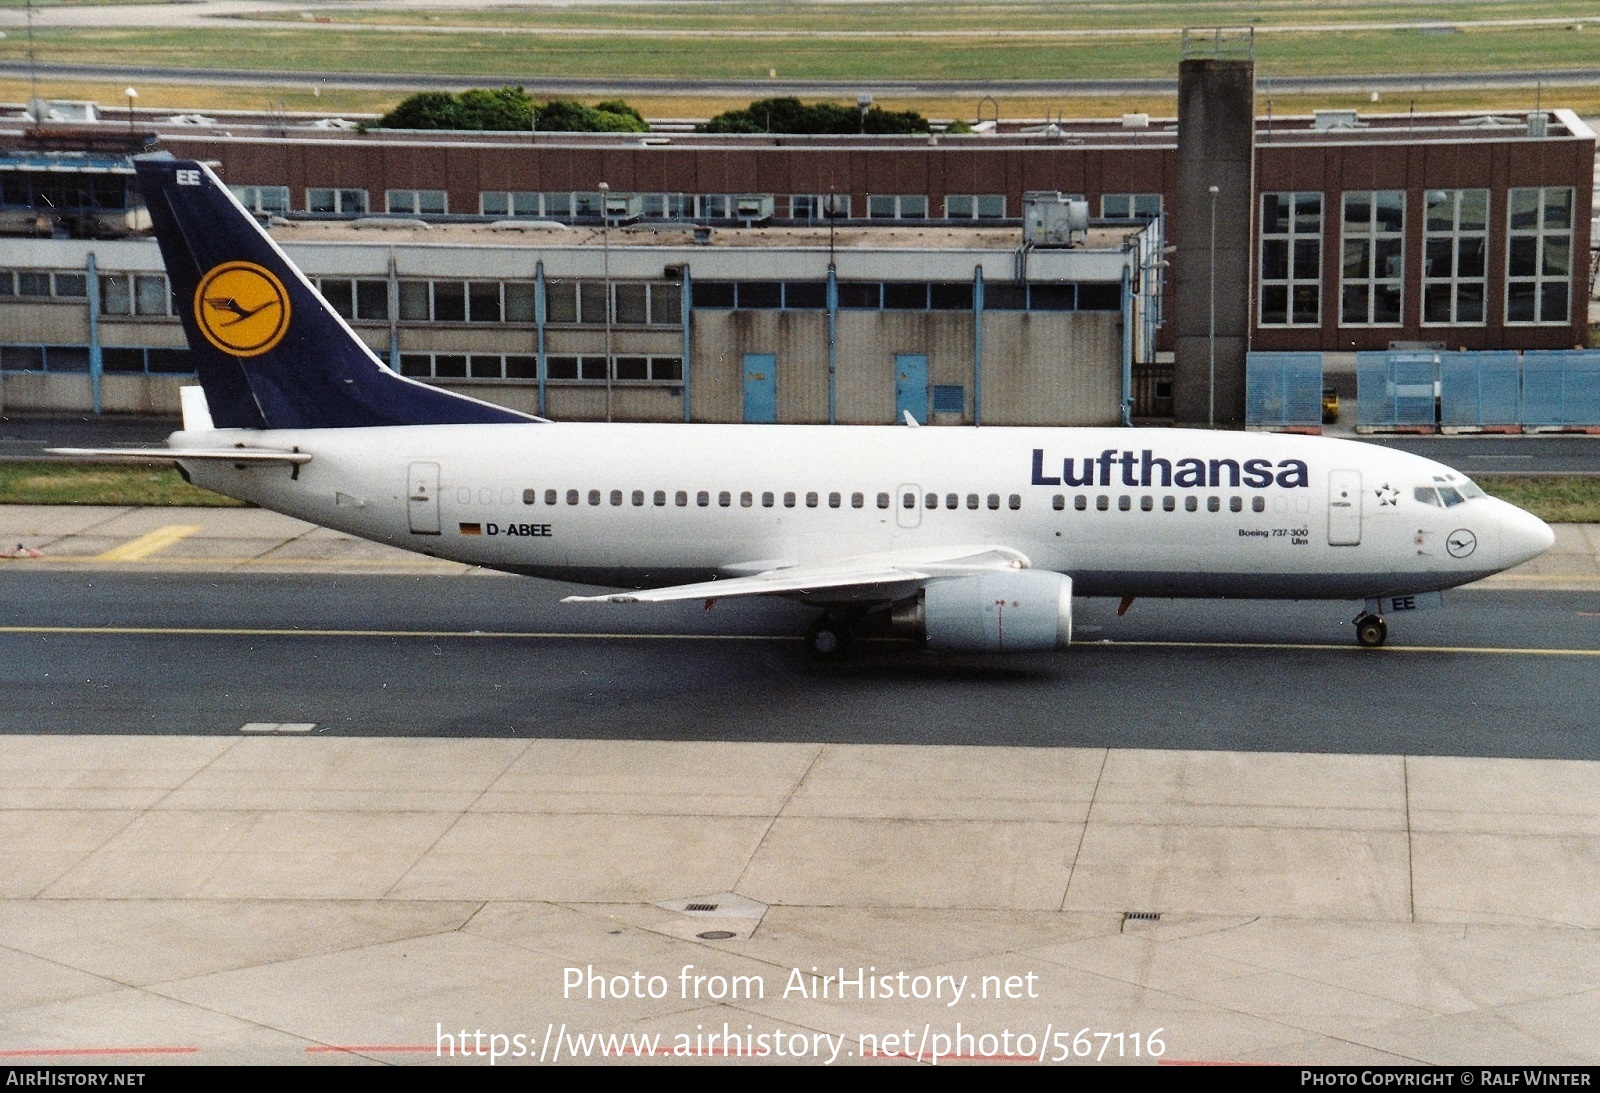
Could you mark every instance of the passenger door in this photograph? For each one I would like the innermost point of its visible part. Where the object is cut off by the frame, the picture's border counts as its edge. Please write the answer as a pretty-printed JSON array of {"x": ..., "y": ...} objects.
[{"x": 1344, "y": 508}]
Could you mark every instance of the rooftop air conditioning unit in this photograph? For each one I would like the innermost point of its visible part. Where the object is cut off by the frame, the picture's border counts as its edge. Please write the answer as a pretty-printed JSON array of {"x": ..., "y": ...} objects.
[
  {"x": 751, "y": 208},
  {"x": 623, "y": 207},
  {"x": 1052, "y": 219}
]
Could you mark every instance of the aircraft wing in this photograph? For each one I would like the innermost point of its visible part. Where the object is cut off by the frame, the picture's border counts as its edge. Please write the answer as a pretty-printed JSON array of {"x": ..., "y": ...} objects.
[
  {"x": 227, "y": 455},
  {"x": 891, "y": 575}
]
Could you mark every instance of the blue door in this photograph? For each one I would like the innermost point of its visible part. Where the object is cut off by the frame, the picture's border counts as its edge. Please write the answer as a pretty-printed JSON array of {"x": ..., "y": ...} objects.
[
  {"x": 760, "y": 389},
  {"x": 911, "y": 387}
]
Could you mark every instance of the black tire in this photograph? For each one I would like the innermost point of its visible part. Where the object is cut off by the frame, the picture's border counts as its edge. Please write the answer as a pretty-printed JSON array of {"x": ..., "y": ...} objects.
[
  {"x": 827, "y": 639},
  {"x": 1371, "y": 632}
]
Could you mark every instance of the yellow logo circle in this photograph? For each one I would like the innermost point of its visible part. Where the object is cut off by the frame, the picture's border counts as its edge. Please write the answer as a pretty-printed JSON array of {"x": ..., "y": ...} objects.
[{"x": 242, "y": 308}]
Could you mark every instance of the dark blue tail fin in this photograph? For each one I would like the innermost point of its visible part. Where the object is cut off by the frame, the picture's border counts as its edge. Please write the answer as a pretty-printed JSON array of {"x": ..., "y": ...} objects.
[{"x": 270, "y": 352}]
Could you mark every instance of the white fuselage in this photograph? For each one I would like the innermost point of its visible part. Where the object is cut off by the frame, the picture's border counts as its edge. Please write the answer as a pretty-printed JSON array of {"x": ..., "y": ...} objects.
[{"x": 1137, "y": 512}]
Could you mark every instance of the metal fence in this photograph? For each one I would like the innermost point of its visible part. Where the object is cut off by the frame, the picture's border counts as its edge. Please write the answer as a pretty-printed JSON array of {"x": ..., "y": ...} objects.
[
  {"x": 1479, "y": 388},
  {"x": 1397, "y": 388},
  {"x": 1561, "y": 387},
  {"x": 1283, "y": 389}
]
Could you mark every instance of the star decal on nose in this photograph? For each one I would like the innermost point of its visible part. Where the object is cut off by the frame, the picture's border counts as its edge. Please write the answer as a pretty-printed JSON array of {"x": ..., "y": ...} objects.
[{"x": 1387, "y": 495}]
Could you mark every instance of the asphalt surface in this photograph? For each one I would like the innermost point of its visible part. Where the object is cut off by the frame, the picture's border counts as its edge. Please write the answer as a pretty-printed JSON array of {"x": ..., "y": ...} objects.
[
  {"x": 1493, "y": 673},
  {"x": 542, "y": 84}
]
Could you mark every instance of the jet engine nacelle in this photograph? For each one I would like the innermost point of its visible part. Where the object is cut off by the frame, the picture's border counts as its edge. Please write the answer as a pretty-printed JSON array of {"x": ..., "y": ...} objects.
[{"x": 1022, "y": 611}]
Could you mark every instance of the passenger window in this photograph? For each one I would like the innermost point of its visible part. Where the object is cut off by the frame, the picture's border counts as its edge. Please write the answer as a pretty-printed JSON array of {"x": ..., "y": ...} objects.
[
  {"x": 529, "y": 496},
  {"x": 681, "y": 498},
  {"x": 572, "y": 497},
  {"x": 724, "y": 498},
  {"x": 616, "y": 497},
  {"x": 1258, "y": 504},
  {"x": 594, "y": 497},
  {"x": 1102, "y": 503},
  {"x": 1168, "y": 503},
  {"x": 909, "y": 501},
  {"x": 952, "y": 501},
  {"x": 746, "y": 499},
  {"x": 1058, "y": 502},
  {"x": 1124, "y": 503},
  {"x": 811, "y": 499},
  {"x": 931, "y": 501},
  {"x": 972, "y": 500},
  {"x": 767, "y": 500},
  {"x": 1014, "y": 501},
  {"x": 994, "y": 500},
  {"x": 833, "y": 500},
  {"x": 702, "y": 498},
  {"x": 1191, "y": 504},
  {"x": 1213, "y": 504},
  {"x": 660, "y": 498},
  {"x": 883, "y": 500},
  {"x": 638, "y": 498},
  {"x": 1080, "y": 502},
  {"x": 857, "y": 500},
  {"x": 788, "y": 499},
  {"x": 1147, "y": 503},
  {"x": 1235, "y": 504},
  {"x": 549, "y": 497}
]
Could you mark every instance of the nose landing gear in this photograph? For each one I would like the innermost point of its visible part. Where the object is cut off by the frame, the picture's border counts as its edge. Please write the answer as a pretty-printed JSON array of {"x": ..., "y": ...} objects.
[{"x": 1370, "y": 630}]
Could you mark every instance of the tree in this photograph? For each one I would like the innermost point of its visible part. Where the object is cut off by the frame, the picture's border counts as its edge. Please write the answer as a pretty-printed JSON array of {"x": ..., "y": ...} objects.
[
  {"x": 510, "y": 109},
  {"x": 790, "y": 115}
]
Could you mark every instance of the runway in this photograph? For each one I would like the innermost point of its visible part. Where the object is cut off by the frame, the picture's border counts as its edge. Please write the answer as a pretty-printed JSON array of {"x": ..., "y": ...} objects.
[{"x": 1491, "y": 674}]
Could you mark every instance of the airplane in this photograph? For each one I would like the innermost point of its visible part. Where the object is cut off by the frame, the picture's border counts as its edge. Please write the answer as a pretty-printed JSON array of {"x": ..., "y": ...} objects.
[{"x": 961, "y": 540}]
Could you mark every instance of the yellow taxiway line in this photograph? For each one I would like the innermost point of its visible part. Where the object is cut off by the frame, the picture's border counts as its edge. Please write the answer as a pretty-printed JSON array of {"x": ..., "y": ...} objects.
[{"x": 135, "y": 550}]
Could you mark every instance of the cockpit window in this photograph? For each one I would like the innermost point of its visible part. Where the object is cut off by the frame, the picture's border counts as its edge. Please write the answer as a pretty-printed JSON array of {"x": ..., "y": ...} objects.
[
  {"x": 1470, "y": 489},
  {"x": 1450, "y": 496},
  {"x": 1427, "y": 495}
]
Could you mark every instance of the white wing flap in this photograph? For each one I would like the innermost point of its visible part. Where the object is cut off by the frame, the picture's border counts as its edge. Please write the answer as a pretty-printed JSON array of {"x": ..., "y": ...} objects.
[{"x": 907, "y": 569}]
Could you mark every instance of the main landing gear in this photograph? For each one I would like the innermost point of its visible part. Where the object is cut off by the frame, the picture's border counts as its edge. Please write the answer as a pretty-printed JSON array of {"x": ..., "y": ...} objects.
[
  {"x": 1370, "y": 630},
  {"x": 829, "y": 637}
]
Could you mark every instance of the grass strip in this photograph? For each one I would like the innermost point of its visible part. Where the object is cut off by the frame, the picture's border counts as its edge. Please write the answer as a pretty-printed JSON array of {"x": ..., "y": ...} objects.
[{"x": 37, "y": 483}]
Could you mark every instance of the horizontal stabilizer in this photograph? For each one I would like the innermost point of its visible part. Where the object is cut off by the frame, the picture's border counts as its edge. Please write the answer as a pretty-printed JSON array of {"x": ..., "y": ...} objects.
[{"x": 227, "y": 455}]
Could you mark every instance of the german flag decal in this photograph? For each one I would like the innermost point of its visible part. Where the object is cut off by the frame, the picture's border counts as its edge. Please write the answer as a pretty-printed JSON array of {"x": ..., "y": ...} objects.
[{"x": 472, "y": 529}]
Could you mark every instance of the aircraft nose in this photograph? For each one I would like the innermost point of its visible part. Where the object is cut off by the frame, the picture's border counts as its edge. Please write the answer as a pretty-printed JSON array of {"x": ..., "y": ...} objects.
[{"x": 1523, "y": 536}]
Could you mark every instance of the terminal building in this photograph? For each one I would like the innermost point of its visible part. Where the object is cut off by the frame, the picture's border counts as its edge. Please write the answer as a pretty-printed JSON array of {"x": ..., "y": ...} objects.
[{"x": 683, "y": 276}]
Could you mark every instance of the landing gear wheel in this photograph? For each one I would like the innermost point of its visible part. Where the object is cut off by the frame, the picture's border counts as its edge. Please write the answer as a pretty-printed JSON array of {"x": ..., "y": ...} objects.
[
  {"x": 828, "y": 638},
  {"x": 1371, "y": 631}
]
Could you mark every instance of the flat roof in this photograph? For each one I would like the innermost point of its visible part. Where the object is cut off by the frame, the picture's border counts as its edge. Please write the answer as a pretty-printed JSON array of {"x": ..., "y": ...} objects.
[{"x": 897, "y": 235}]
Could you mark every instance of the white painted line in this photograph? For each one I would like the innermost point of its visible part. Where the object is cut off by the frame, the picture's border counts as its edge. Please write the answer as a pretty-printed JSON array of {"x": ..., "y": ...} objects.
[{"x": 278, "y": 726}]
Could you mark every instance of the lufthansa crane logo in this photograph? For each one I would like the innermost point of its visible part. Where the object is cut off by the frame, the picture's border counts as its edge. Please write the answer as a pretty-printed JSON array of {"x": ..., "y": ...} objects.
[
  {"x": 1461, "y": 543},
  {"x": 242, "y": 308}
]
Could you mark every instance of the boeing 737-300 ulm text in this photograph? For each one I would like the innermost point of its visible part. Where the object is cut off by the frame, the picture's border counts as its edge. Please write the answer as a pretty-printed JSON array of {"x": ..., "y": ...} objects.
[{"x": 969, "y": 539}]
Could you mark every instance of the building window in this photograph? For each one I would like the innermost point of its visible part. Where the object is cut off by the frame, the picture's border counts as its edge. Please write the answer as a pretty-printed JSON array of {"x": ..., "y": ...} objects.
[
  {"x": 1539, "y": 255},
  {"x": 263, "y": 200},
  {"x": 416, "y": 202},
  {"x": 1130, "y": 206},
  {"x": 367, "y": 300},
  {"x": 819, "y": 206},
  {"x": 897, "y": 206},
  {"x": 1455, "y": 246},
  {"x": 1291, "y": 259},
  {"x": 1374, "y": 257},
  {"x": 338, "y": 202},
  {"x": 975, "y": 206},
  {"x": 633, "y": 303},
  {"x": 511, "y": 203}
]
